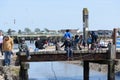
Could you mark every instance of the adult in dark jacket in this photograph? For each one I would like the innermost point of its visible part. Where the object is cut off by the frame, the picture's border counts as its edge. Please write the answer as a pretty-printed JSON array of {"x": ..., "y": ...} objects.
[
  {"x": 94, "y": 37},
  {"x": 39, "y": 43}
]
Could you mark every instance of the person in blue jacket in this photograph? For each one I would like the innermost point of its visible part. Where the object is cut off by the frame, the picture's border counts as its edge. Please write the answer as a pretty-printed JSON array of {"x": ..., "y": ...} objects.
[
  {"x": 68, "y": 34},
  {"x": 68, "y": 48}
]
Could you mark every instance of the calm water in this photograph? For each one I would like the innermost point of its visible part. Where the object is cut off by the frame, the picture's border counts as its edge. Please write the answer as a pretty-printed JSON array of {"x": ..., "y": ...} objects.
[{"x": 60, "y": 71}]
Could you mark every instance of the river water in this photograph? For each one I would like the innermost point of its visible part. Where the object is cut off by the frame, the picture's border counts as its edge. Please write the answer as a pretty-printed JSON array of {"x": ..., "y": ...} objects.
[{"x": 61, "y": 71}]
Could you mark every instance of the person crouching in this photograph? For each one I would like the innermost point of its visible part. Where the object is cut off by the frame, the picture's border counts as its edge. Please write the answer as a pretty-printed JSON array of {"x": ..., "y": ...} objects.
[{"x": 24, "y": 48}]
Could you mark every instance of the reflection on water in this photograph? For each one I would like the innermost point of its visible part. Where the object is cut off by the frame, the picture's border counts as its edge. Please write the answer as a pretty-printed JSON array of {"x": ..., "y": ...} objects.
[{"x": 61, "y": 71}]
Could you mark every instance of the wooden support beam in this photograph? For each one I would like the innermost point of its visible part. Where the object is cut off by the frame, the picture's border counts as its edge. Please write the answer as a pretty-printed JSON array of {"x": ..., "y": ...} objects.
[
  {"x": 24, "y": 66},
  {"x": 112, "y": 51},
  {"x": 62, "y": 56},
  {"x": 86, "y": 70},
  {"x": 111, "y": 58},
  {"x": 111, "y": 70},
  {"x": 103, "y": 61}
]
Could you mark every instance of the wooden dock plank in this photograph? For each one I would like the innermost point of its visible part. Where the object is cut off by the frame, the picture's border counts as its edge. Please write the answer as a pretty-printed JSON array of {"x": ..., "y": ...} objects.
[{"x": 62, "y": 56}]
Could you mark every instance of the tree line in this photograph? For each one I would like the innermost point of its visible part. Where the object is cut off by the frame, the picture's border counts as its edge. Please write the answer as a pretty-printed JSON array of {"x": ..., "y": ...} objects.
[{"x": 26, "y": 30}]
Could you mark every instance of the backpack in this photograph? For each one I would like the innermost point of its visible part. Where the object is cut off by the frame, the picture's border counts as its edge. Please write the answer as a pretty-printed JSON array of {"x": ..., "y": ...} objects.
[{"x": 89, "y": 40}]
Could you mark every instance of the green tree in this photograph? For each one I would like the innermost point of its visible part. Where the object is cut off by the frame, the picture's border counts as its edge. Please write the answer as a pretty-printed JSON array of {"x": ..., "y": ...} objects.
[
  {"x": 27, "y": 30},
  {"x": 46, "y": 29},
  {"x": 37, "y": 30},
  {"x": 19, "y": 31},
  {"x": 9, "y": 31}
]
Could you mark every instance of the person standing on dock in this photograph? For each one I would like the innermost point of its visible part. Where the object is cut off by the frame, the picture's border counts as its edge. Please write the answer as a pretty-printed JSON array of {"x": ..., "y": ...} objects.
[
  {"x": 7, "y": 48},
  {"x": 89, "y": 42},
  {"x": 37, "y": 44},
  {"x": 1, "y": 42},
  {"x": 94, "y": 37},
  {"x": 76, "y": 42},
  {"x": 67, "y": 34},
  {"x": 68, "y": 43}
]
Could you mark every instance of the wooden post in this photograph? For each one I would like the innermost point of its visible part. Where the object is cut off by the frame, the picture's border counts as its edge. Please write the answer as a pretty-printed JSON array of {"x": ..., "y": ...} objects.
[
  {"x": 114, "y": 36},
  {"x": 85, "y": 23},
  {"x": 111, "y": 62},
  {"x": 112, "y": 52},
  {"x": 24, "y": 71},
  {"x": 86, "y": 70},
  {"x": 111, "y": 70},
  {"x": 112, "y": 57}
]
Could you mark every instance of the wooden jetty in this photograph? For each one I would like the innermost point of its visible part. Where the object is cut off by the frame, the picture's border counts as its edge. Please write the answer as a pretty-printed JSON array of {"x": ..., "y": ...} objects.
[
  {"x": 109, "y": 57},
  {"x": 99, "y": 56}
]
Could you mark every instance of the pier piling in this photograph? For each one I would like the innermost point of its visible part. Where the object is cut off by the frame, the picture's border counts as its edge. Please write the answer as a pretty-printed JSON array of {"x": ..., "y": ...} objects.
[
  {"x": 24, "y": 66},
  {"x": 86, "y": 70}
]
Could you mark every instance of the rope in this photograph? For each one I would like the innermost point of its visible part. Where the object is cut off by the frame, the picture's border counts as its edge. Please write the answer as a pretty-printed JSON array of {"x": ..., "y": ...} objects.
[{"x": 52, "y": 68}]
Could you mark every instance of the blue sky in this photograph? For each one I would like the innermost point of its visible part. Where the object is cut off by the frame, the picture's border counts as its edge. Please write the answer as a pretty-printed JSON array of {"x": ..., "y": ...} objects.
[{"x": 58, "y": 14}]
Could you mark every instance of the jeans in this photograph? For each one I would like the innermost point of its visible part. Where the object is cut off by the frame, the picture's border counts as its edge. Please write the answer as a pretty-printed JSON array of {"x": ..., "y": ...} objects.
[
  {"x": 27, "y": 53},
  {"x": 7, "y": 57},
  {"x": 69, "y": 52},
  {"x": 36, "y": 49}
]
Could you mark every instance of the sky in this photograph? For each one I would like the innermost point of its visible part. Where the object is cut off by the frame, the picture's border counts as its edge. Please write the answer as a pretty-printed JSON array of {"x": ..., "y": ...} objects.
[{"x": 58, "y": 14}]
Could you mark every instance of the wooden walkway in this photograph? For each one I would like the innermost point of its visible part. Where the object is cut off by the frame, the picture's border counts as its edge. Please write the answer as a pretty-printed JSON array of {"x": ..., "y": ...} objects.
[
  {"x": 90, "y": 55},
  {"x": 108, "y": 57}
]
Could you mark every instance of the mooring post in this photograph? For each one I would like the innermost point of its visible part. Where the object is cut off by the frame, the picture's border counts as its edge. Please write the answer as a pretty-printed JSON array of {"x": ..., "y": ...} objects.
[
  {"x": 112, "y": 57},
  {"x": 24, "y": 66},
  {"x": 86, "y": 70},
  {"x": 85, "y": 23}
]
